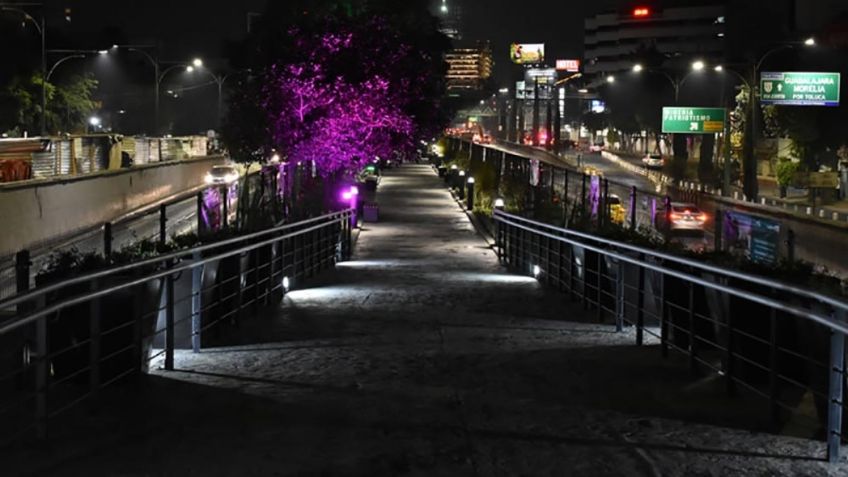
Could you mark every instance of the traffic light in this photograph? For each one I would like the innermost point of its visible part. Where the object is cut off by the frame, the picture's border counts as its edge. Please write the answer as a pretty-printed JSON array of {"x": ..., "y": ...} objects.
[{"x": 641, "y": 12}]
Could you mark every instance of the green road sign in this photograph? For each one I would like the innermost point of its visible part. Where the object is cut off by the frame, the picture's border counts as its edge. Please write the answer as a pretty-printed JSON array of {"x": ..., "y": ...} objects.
[
  {"x": 693, "y": 120},
  {"x": 800, "y": 88}
]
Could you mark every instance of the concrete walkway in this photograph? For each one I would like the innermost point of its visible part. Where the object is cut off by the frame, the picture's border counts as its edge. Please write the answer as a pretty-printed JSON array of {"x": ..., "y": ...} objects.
[{"x": 423, "y": 357}]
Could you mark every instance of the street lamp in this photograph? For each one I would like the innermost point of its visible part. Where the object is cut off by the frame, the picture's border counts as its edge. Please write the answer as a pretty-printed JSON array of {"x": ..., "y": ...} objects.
[
  {"x": 42, "y": 30},
  {"x": 698, "y": 65},
  {"x": 610, "y": 79},
  {"x": 637, "y": 68},
  {"x": 810, "y": 41}
]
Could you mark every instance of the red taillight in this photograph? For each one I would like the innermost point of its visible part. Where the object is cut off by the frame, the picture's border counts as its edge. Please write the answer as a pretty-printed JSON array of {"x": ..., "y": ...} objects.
[
  {"x": 702, "y": 217},
  {"x": 676, "y": 217}
]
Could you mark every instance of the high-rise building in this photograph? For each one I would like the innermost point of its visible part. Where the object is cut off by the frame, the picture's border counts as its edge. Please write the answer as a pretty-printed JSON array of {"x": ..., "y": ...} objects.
[
  {"x": 613, "y": 38},
  {"x": 450, "y": 14},
  {"x": 468, "y": 68}
]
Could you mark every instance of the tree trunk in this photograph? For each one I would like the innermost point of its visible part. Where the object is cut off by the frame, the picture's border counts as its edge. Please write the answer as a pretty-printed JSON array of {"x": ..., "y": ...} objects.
[{"x": 705, "y": 163}]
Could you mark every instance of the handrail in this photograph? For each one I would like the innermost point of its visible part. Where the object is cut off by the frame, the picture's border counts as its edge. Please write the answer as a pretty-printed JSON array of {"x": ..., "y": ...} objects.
[
  {"x": 19, "y": 322},
  {"x": 828, "y": 321},
  {"x": 690, "y": 263},
  {"x": 18, "y": 299}
]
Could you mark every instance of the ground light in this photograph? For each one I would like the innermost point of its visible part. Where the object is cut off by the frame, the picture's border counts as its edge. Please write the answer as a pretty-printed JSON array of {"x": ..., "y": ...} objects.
[{"x": 536, "y": 271}]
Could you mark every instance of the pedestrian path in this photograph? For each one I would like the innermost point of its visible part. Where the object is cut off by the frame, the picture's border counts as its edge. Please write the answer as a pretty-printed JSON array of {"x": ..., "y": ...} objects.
[{"x": 423, "y": 356}]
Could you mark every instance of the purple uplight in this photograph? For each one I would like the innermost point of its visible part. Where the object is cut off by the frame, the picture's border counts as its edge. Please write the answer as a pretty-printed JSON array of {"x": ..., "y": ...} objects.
[
  {"x": 354, "y": 190},
  {"x": 347, "y": 196}
]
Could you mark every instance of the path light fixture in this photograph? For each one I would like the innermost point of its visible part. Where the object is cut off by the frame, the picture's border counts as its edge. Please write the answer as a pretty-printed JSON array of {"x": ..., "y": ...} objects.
[
  {"x": 536, "y": 271},
  {"x": 810, "y": 41},
  {"x": 500, "y": 204},
  {"x": 610, "y": 79},
  {"x": 637, "y": 68},
  {"x": 286, "y": 284},
  {"x": 470, "y": 192}
]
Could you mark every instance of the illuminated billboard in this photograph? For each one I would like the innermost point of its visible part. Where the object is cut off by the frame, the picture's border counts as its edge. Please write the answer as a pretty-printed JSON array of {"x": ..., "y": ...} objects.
[
  {"x": 527, "y": 53},
  {"x": 570, "y": 66}
]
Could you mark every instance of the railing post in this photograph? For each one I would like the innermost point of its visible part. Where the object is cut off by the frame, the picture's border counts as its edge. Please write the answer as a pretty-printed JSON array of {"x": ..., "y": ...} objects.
[
  {"x": 107, "y": 239},
  {"x": 633, "y": 206},
  {"x": 225, "y": 199},
  {"x": 663, "y": 320},
  {"x": 169, "y": 323},
  {"x": 719, "y": 230},
  {"x": 619, "y": 291},
  {"x": 835, "y": 392},
  {"x": 163, "y": 223},
  {"x": 640, "y": 305},
  {"x": 583, "y": 195},
  {"x": 94, "y": 344},
  {"x": 599, "y": 284},
  {"x": 693, "y": 363},
  {"x": 199, "y": 213},
  {"x": 42, "y": 368},
  {"x": 196, "y": 303},
  {"x": 774, "y": 409},
  {"x": 730, "y": 386},
  {"x": 22, "y": 273}
]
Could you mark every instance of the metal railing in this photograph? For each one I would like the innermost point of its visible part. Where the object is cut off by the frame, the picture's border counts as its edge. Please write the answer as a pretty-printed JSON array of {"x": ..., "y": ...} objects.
[
  {"x": 62, "y": 343},
  {"x": 775, "y": 340}
]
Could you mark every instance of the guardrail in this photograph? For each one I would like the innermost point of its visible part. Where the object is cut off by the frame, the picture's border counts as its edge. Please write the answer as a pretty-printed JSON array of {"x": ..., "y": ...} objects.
[
  {"x": 64, "y": 342},
  {"x": 775, "y": 340}
]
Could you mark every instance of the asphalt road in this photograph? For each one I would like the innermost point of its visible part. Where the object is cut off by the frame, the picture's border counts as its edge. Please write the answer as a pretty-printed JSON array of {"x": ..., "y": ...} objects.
[{"x": 818, "y": 243}]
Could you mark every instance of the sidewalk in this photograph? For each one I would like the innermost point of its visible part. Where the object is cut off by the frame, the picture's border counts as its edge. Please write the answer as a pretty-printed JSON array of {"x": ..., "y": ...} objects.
[{"x": 421, "y": 356}]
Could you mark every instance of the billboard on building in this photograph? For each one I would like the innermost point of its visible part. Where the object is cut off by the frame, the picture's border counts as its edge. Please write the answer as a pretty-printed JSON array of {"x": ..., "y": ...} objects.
[
  {"x": 542, "y": 75},
  {"x": 569, "y": 66},
  {"x": 527, "y": 53}
]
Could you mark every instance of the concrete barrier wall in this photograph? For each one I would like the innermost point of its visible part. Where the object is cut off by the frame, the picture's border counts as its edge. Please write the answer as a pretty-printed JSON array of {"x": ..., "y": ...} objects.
[{"x": 34, "y": 212}]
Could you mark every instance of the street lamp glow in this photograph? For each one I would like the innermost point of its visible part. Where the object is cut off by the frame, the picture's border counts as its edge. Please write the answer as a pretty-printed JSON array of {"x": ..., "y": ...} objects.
[
  {"x": 582, "y": 90},
  {"x": 103, "y": 52},
  {"x": 94, "y": 121},
  {"x": 810, "y": 41},
  {"x": 719, "y": 68},
  {"x": 536, "y": 271},
  {"x": 197, "y": 62},
  {"x": 189, "y": 69},
  {"x": 610, "y": 79},
  {"x": 637, "y": 68},
  {"x": 698, "y": 65}
]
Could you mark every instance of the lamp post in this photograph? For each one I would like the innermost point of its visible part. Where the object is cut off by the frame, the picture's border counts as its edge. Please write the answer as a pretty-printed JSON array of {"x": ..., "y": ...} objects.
[
  {"x": 42, "y": 31},
  {"x": 219, "y": 81}
]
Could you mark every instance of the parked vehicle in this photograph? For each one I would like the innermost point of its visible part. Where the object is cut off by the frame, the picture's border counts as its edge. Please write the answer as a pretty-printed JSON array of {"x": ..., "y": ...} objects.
[{"x": 653, "y": 161}]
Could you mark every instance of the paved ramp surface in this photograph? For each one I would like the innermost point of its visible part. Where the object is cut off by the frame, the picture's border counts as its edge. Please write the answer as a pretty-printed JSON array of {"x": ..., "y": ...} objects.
[{"x": 422, "y": 356}]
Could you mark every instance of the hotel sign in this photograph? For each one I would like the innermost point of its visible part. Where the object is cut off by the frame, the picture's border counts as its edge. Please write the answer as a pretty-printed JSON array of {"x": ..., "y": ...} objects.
[{"x": 800, "y": 88}]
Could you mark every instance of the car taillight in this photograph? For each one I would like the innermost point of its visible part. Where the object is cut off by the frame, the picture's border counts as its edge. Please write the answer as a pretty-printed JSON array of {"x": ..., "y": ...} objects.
[
  {"x": 676, "y": 217},
  {"x": 702, "y": 217}
]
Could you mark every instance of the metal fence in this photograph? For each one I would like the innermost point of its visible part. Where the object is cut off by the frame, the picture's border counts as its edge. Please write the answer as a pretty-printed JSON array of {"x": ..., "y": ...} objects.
[
  {"x": 772, "y": 339},
  {"x": 62, "y": 343}
]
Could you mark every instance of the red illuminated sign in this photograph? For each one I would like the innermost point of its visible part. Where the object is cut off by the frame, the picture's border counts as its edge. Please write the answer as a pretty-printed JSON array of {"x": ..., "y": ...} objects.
[
  {"x": 641, "y": 12},
  {"x": 571, "y": 66}
]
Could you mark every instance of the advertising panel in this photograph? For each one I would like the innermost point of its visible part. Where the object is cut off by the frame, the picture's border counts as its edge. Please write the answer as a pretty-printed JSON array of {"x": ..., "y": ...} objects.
[
  {"x": 791, "y": 88},
  {"x": 754, "y": 237},
  {"x": 570, "y": 66},
  {"x": 693, "y": 120},
  {"x": 527, "y": 53},
  {"x": 543, "y": 75}
]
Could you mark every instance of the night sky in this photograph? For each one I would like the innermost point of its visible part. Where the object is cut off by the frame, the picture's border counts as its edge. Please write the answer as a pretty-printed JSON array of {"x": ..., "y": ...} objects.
[{"x": 185, "y": 29}]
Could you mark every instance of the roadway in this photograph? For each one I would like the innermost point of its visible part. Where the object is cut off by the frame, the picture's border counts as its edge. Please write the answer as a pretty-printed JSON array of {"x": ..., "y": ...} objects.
[
  {"x": 181, "y": 219},
  {"x": 817, "y": 242}
]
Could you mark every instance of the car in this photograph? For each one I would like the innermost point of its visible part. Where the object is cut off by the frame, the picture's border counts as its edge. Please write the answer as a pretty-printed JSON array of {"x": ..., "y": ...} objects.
[
  {"x": 222, "y": 174},
  {"x": 686, "y": 217},
  {"x": 653, "y": 161},
  {"x": 617, "y": 212},
  {"x": 597, "y": 147}
]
